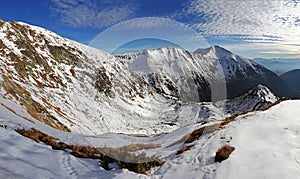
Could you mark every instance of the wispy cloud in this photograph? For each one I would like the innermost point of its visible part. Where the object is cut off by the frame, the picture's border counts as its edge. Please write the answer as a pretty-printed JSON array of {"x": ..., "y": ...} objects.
[
  {"x": 91, "y": 13},
  {"x": 272, "y": 50},
  {"x": 255, "y": 18}
]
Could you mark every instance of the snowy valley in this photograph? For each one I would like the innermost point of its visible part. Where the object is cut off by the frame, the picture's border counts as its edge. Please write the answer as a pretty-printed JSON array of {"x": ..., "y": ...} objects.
[{"x": 159, "y": 101}]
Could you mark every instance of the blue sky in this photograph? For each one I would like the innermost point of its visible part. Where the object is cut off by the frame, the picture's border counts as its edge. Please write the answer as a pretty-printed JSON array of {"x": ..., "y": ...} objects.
[{"x": 268, "y": 29}]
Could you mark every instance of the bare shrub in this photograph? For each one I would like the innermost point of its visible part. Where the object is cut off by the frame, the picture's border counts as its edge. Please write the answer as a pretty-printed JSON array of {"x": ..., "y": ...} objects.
[{"x": 223, "y": 153}]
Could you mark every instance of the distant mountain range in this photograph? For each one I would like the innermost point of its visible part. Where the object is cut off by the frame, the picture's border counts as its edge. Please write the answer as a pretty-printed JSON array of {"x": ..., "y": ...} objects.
[
  {"x": 292, "y": 79},
  {"x": 279, "y": 66}
]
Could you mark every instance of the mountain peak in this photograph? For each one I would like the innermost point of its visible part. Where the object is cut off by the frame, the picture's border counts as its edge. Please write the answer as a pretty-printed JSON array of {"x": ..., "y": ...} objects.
[
  {"x": 263, "y": 93},
  {"x": 253, "y": 99},
  {"x": 262, "y": 90},
  {"x": 217, "y": 47},
  {"x": 214, "y": 51}
]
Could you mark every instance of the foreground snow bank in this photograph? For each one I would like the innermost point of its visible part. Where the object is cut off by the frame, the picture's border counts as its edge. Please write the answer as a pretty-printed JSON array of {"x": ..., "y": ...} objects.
[
  {"x": 267, "y": 144},
  {"x": 21, "y": 157}
]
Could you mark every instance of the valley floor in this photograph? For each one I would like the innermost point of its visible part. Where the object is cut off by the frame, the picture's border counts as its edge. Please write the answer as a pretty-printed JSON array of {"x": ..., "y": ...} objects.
[{"x": 267, "y": 145}]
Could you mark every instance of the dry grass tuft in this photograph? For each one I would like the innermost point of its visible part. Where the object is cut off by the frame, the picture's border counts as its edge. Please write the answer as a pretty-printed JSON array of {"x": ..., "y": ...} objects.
[
  {"x": 139, "y": 163},
  {"x": 184, "y": 149},
  {"x": 139, "y": 146},
  {"x": 201, "y": 131},
  {"x": 36, "y": 135},
  {"x": 223, "y": 153},
  {"x": 85, "y": 152},
  {"x": 204, "y": 121}
]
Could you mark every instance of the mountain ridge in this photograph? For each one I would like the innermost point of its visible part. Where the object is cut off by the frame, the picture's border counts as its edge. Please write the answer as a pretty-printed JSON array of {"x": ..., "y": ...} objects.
[
  {"x": 76, "y": 88},
  {"x": 213, "y": 65},
  {"x": 78, "y": 99}
]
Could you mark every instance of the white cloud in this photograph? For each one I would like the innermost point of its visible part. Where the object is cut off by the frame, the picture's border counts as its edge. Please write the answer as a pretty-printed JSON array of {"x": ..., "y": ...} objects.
[
  {"x": 270, "y": 50},
  {"x": 262, "y": 19},
  {"x": 91, "y": 13}
]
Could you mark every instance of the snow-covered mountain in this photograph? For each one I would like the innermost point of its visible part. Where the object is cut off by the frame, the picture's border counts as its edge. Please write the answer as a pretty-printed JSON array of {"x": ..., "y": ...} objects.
[
  {"x": 206, "y": 75},
  {"x": 79, "y": 95},
  {"x": 77, "y": 88},
  {"x": 254, "y": 99},
  {"x": 241, "y": 74},
  {"x": 71, "y": 86}
]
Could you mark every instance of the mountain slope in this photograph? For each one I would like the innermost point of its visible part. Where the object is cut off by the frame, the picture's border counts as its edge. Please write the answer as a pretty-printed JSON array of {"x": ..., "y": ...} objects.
[
  {"x": 77, "y": 88},
  {"x": 266, "y": 146},
  {"x": 263, "y": 141},
  {"x": 173, "y": 72},
  {"x": 50, "y": 83},
  {"x": 71, "y": 86},
  {"x": 292, "y": 79},
  {"x": 254, "y": 99},
  {"x": 242, "y": 74},
  {"x": 208, "y": 74}
]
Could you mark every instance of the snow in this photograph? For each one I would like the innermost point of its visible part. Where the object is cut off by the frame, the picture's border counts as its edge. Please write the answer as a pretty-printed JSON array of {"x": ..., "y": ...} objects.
[
  {"x": 90, "y": 112},
  {"x": 178, "y": 68},
  {"x": 23, "y": 158},
  {"x": 267, "y": 143},
  {"x": 230, "y": 62}
]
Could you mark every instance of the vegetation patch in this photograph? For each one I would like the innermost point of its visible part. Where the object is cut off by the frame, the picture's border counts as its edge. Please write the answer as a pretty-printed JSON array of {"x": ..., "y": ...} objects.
[
  {"x": 184, "y": 149},
  {"x": 139, "y": 163},
  {"x": 223, "y": 153},
  {"x": 63, "y": 55},
  {"x": 139, "y": 146},
  {"x": 271, "y": 105},
  {"x": 11, "y": 110},
  {"x": 196, "y": 134},
  {"x": 35, "y": 109}
]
